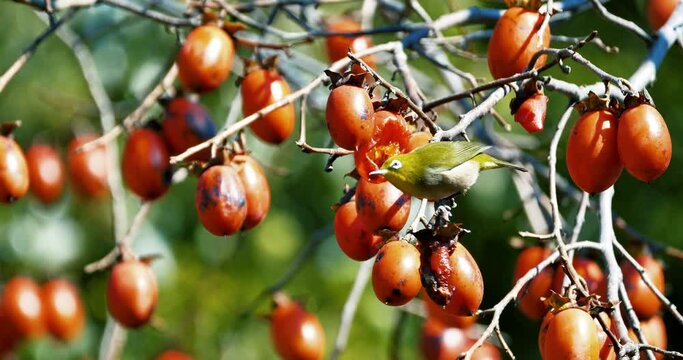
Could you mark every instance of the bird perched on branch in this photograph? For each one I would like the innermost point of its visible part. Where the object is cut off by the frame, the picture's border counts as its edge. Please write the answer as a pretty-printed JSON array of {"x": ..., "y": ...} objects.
[{"x": 441, "y": 169}]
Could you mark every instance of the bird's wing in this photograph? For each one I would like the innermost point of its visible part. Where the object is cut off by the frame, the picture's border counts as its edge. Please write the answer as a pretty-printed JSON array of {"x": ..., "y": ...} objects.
[{"x": 445, "y": 155}]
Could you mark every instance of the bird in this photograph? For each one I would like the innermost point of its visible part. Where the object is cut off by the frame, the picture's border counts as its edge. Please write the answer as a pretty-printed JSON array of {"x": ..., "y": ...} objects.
[{"x": 440, "y": 170}]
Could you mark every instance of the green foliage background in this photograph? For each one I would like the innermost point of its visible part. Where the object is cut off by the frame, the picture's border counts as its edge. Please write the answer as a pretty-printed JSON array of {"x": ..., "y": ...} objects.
[{"x": 206, "y": 281}]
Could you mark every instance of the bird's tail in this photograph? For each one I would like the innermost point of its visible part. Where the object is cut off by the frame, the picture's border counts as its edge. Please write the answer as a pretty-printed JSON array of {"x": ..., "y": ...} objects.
[{"x": 487, "y": 162}]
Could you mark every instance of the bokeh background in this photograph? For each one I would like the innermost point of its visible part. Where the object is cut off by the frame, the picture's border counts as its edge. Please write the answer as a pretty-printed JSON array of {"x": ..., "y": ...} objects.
[{"x": 205, "y": 281}]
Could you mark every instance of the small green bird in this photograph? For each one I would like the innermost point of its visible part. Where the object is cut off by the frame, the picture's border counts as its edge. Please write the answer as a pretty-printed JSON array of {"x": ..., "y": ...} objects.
[{"x": 440, "y": 169}]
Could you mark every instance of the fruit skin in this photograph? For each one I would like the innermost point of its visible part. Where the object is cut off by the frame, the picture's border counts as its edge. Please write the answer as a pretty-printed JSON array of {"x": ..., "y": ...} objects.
[
  {"x": 514, "y": 42},
  {"x": 187, "y": 123},
  {"x": 381, "y": 206},
  {"x": 146, "y": 167},
  {"x": 396, "y": 273},
  {"x": 530, "y": 304},
  {"x": 467, "y": 281},
  {"x": 531, "y": 114},
  {"x": 23, "y": 308},
  {"x": 221, "y": 201},
  {"x": 338, "y": 46},
  {"x": 8, "y": 336},
  {"x": 257, "y": 191},
  {"x": 296, "y": 333},
  {"x": 356, "y": 242},
  {"x": 418, "y": 139},
  {"x": 593, "y": 157},
  {"x": 644, "y": 142},
  {"x": 88, "y": 169},
  {"x": 349, "y": 115},
  {"x": 173, "y": 355},
  {"x": 644, "y": 301},
  {"x": 439, "y": 342},
  {"x": 259, "y": 89},
  {"x": 132, "y": 293},
  {"x": 654, "y": 331},
  {"x": 590, "y": 271},
  {"x": 46, "y": 172},
  {"x": 436, "y": 312},
  {"x": 205, "y": 60},
  {"x": 64, "y": 313},
  {"x": 569, "y": 334},
  {"x": 659, "y": 11},
  {"x": 14, "y": 176}
]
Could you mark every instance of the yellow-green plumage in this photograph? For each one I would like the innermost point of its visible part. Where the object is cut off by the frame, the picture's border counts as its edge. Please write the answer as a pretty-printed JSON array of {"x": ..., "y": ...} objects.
[{"x": 441, "y": 169}]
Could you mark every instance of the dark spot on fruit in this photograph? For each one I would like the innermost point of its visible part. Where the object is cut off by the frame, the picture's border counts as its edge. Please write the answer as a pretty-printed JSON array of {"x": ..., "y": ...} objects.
[
  {"x": 379, "y": 256},
  {"x": 396, "y": 292}
]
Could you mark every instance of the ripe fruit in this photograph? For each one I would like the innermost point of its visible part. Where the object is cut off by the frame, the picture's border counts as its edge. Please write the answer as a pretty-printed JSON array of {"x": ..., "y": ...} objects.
[
  {"x": 261, "y": 88},
  {"x": 592, "y": 156},
  {"x": 256, "y": 188},
  {"x": 338, "y": 45},
  {"x": 531, "y": 114},
  {"x": 186, "y": 123},
  {"x": 88, "y": 169},
  {"x": 14, "y": 176},
  {"x": 8, "y": 337},
  {"x": 221, "y": 200},
  {"x": 590, "y": 271},
  {"x": 418, "y": 139},
  {"x": 205, "y": 60},
  {"x": 390, "y": 137},
  {"x": 22, "y": 307},
  {"x": 356, "y": 242},
  {"x": 436, "y": 312},
  {"x": 396, "y": 273},
  {"x": 146, "y": 167},
  {"x": 530, "y": 303},
  {"x": 467, "y": 281},
  {"x": 132, "y": 293},
  {"x": 644, "y": 142},
  {"x": 569, "y": 334},
  {"x": 173, "y": 355},
  {"x": 644, "y": 301},
  {"x": 659, "y": 11},
  {"x": 654, "y": 332},
  {"x": 296, "y": 333},
  {"x": 46, "y": 172},
  {"x": 349, "y": 116},
  {"x": 515, "y": 40},
  {"x": 381, "y": 206},
  {"x": 439, "y": 342},
  {"x": 64, "y": 314}
]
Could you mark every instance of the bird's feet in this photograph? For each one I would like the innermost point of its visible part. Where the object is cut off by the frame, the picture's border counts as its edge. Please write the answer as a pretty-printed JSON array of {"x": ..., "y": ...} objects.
[{"x": 444, "y": 207}]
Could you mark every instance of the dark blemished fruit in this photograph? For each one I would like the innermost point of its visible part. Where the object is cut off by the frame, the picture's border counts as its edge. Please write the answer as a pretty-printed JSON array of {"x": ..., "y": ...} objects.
[
  {"x": 515, "y": 40},
  {"x": 356, "y": 242},
  {"x": 146, "y": 167},
  {"x": 221, "y": 201},
  {"x": 205, "y": 60},
  {"x": 466, "y": 280},
  {"x": 14, "y": 175},
  {"x": 349, "y": 115},
  {"x": 396, "y": 273},
  {"x": 46, "y": 173},
  {"x": 187, "y": 123},
  {"x": 259, "y": 89},
  {"x": 381, "y": 206},
  {"x": 593, "y": 157},
  {"x": 132, "y": 293}
]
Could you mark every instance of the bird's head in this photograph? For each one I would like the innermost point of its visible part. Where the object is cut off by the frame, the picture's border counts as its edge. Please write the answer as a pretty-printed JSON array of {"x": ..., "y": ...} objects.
[{"x": 392, "y": 169}]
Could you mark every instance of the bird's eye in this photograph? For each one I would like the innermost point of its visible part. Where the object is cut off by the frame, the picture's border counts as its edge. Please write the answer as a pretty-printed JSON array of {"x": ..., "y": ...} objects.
[{"x": 395, "y": 165}]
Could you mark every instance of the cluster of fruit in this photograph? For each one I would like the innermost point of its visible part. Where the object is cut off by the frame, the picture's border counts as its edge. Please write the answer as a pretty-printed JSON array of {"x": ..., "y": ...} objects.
[
  {"x": 28, "y": 310},
  {"x": 596, "y": 344}
]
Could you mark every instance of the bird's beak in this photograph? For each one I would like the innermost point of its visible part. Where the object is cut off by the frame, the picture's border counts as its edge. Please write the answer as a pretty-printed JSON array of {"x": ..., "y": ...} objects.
[{"x": 378, "y": 172}]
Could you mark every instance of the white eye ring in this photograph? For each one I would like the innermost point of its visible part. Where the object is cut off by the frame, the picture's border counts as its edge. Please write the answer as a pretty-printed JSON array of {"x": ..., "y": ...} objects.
[{"x": 396, "y": 164}]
